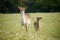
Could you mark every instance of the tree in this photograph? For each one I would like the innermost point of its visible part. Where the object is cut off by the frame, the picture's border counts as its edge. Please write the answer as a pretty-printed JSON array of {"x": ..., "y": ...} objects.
[{"x": 32, "y": 5}]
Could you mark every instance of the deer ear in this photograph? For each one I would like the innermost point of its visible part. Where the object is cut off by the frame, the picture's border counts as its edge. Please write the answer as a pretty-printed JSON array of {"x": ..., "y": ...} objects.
[
  {"x": 25, "y": 7},
  {"x": 18, "y": 6}
]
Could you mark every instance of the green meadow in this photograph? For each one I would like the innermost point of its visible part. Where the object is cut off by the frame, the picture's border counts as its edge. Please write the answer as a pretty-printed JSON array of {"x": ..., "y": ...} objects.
[{"x": 10, "y": 27}]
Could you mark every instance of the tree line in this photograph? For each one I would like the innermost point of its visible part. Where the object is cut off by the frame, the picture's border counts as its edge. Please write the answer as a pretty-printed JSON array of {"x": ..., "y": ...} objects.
[{"x": 11, "y": 6}]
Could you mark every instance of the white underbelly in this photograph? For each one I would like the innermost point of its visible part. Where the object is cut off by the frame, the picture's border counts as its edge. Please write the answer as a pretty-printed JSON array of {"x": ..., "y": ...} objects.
[{"x": 25, "y": 21}]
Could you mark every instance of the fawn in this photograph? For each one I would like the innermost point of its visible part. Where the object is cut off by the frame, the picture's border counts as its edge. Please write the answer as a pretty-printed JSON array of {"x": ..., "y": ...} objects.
[{"x": 36, "y": 23}]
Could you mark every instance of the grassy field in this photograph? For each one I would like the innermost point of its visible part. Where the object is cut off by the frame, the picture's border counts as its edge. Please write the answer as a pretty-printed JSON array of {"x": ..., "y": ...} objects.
[{"x": 10, "y": 27}]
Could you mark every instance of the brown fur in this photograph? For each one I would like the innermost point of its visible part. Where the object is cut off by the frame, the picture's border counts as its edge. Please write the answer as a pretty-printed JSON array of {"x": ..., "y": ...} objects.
[
  {"x": 36, "y": 23},
  {"x": 25, "y": 17}
]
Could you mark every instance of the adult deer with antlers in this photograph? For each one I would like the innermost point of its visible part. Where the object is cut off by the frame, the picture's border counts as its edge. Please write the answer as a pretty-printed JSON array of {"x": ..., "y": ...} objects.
[{"x": 26, "y": 19}]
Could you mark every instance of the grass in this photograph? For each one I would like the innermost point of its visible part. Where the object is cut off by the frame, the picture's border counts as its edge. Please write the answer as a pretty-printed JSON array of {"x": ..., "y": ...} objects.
[{"x": 10, "y": 27}]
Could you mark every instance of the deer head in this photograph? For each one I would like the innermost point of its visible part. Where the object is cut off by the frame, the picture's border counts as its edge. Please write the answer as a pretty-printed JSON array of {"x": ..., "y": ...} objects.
[
  {"x": 21, "y": 8},
  {"x": 38, "y": 18}
]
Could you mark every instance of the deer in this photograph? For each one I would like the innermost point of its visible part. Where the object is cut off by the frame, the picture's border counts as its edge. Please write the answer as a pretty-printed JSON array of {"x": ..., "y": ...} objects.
[
  {"x": 25, "y": 18},
  {"x": 36, "y": 23}
]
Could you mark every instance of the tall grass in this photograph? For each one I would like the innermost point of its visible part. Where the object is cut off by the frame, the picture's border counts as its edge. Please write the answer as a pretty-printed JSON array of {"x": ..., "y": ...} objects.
[{"x": 10, "y": 27}]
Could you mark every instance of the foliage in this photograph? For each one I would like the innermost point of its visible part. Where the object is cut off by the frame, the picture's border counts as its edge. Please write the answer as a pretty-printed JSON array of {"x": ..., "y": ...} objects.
[
  {"x": 32, "y": 5},
  {"x": 10, "y": 27}
]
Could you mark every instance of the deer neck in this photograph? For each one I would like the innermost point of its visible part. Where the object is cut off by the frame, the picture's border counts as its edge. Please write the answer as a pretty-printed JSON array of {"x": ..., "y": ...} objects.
[
  {"x": 37, "y": 21},
  {"x": 23, "y": 13}
]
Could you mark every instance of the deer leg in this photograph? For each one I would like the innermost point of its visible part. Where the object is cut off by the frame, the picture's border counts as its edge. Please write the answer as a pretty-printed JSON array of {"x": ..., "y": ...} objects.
[{"x": 26, "y": 27}]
